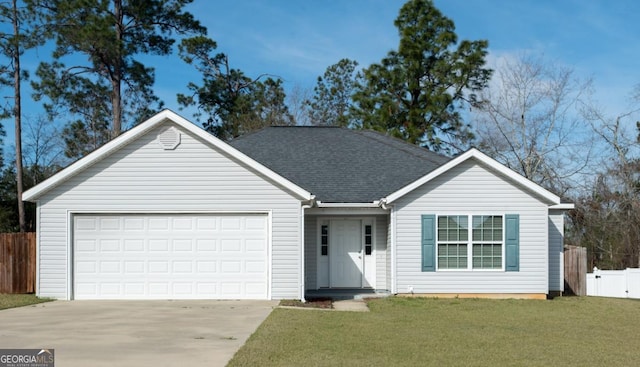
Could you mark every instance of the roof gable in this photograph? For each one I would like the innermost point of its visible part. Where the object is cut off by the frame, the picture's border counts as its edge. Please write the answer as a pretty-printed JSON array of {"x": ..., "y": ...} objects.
[
  {"x": 339, "y": 165},
  {"x": 37, "y": 191},
  {"x": 494, "y": 165}
]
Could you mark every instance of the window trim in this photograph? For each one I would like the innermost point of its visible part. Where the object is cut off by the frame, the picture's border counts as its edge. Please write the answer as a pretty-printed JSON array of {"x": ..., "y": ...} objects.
[{"x": 469, "y": 243}]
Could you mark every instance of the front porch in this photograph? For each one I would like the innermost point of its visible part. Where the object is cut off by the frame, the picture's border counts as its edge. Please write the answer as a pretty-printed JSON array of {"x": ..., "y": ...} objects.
[{"x": 346, "y": 254}]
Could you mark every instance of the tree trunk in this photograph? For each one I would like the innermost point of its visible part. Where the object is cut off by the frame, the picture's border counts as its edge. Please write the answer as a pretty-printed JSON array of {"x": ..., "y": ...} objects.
[
  {"x": 116, "y": 103},
  {"x": 116, "y": 82},
  {"x": 17, "y": 113}
]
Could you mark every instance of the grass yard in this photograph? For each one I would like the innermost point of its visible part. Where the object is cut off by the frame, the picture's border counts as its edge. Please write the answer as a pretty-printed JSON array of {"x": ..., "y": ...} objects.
[
  {"x": 568, "y": 331},
  {"x": 19, "y": 300}
]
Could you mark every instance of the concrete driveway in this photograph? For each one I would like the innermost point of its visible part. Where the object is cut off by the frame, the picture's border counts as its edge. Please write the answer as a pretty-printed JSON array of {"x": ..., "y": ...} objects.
[{"x": 134, "y": 333}]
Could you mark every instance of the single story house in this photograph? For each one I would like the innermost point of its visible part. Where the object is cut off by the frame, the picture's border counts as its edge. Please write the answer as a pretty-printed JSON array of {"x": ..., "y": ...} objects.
[{"x": 168, "y": 211}]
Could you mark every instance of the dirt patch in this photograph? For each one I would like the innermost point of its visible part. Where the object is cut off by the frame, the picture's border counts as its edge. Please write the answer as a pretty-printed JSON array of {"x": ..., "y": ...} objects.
[{"x": 319, "y": 302}]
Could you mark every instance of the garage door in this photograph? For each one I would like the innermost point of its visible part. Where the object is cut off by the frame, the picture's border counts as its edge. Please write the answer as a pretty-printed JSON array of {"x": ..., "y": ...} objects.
[{"x": 170, "y": 257}]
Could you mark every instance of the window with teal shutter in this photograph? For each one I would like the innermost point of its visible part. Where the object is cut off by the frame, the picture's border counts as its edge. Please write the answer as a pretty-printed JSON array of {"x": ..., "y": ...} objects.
[
  {"x": 429, "y": 242},
  {"x": 512, "y": 242}
]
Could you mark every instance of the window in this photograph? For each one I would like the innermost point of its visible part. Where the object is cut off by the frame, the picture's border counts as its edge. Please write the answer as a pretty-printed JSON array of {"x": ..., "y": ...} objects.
[
  {"x": 368, "y": 239},
  {"x": 459, "y": 248},
  {"x": 487, "y": 242},
  {"x": 324, "y": 240},
  {"x": 492, "y": 242},
  {"x": 453, "y": 234}
]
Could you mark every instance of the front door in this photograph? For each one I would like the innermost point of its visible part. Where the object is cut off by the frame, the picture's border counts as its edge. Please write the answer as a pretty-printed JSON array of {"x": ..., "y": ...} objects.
[{"x": 346, "y": 254}]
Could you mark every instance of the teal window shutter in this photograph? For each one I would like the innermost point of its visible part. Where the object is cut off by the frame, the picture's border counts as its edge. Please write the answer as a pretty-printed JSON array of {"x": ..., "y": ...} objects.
[
  {"x": 512, "y": 242},
  {"x": 429, "y": 242}
]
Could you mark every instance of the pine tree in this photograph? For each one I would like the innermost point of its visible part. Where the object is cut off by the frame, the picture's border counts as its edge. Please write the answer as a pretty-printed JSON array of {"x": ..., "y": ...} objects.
[
  {"x": 416, "y": 91},
  {"x": 112, "y": 86}
]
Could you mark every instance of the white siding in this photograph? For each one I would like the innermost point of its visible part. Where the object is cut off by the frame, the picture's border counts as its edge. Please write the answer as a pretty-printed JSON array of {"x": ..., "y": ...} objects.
[
  {"x": 311, "y": 251},
  {"x": 381, "y": 252},
  {"x": 556, "y": 250},
  {"x": 143, "y": 178},
  {"x": 470, "y": 188}
]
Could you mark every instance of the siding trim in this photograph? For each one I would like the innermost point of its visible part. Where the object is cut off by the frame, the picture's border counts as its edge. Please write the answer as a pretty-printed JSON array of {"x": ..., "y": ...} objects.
[
  {"x": 38, "y": 234},
  {"x": 392, "y": 244}
]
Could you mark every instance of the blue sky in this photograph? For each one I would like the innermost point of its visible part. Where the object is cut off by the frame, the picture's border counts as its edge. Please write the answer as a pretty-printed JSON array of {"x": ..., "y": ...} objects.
[{"x": 297, "y": 39}]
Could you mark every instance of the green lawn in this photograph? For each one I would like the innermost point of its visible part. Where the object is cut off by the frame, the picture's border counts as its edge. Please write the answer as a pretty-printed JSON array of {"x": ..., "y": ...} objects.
[
  {"x": 569, "y": 331},
  {"x": 19, "y": 300}
]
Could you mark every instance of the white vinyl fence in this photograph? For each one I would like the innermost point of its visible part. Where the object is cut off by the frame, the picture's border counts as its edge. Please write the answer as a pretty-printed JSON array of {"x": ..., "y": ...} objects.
[{"x": 614, "y": 283}]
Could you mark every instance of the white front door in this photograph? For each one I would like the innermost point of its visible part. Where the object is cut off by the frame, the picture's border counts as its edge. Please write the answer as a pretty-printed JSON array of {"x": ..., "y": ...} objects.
[{"x": 346, "y": 254}]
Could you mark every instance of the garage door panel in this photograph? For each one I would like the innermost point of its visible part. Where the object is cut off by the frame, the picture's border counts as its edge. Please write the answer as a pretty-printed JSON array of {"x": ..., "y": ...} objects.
[
  {"x": 207, "y": 245},
  {"x": 134, "y": 224},
  {"x": 158, "y": 224},
  {"x": 134, "y": 289},
  {"x": 109, "y": 224},
  {"x": 134, "y": 245},
  {"x": 170, "y": 257}
]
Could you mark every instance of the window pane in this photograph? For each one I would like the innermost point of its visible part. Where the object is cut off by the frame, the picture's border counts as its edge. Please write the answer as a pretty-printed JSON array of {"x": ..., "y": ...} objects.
[
  {"x": 325, "y": 230},
  {"x": 442, "y": 222},
  {"x": 477, "y": 250},
  {"x": 442, "y": 235},
  {"x": 497, "y": 250},
  {"x": 497, "y": 234},
  {"x": 452, "y": 262},
  {"x": 477, "y": 221},
  {"x": 367, "y": 250},
  {"x": 477, "y": 235},
  {"x": 463, "y": 221},
  {"x": 367, "y": 240},
  {"x": 324, "y": 250},
  {"x": 442, "y": 250},
  {"x": 367, "y": 229},
  {"x": 453, "y": 235},
  {"x": 464, "y": 234}
]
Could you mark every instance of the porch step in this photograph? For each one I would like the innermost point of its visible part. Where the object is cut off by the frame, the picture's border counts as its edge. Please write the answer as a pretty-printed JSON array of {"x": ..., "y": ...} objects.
[
  {"x": 346, "y": 294},
  {"x": 350, "y": 305}
]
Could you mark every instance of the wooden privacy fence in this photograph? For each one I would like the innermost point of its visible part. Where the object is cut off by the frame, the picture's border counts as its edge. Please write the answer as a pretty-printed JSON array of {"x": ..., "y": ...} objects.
[
  {"x": 17, "y": 262},
  {"x": 575, "y": 270}
]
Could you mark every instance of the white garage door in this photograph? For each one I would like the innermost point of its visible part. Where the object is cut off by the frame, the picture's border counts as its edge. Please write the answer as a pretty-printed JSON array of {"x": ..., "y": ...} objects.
[{"x": 170, "y": 257}]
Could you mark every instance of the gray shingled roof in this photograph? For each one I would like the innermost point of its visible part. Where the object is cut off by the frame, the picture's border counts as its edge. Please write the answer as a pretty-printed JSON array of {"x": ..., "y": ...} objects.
[{"x": 339, "y": 165}]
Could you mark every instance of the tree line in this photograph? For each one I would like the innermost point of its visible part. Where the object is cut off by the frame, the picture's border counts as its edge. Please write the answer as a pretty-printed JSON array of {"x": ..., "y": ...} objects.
[{"x": 432, "y": 90}]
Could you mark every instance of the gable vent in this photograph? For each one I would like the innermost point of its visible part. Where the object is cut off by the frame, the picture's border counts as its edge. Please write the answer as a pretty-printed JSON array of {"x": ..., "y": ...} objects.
[{"x": 169, "y": 139}]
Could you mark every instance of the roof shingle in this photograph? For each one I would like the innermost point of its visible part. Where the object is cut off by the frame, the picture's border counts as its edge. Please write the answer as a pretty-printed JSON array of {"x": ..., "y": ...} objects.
[{"x": 339, "y": 165}]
